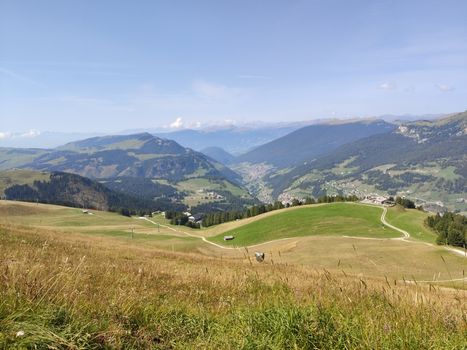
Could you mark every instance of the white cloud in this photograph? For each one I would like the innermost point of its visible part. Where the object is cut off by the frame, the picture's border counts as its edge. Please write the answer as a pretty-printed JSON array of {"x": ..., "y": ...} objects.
[
  {"x": 387, "y": 86},
  {"x": 230, "y": 122},
  {"x": 444, "y": 87},
  {"x": 30, "y": 134},
  {"x": 177, "y": 124},
  {"x": 4, "y": 135}
]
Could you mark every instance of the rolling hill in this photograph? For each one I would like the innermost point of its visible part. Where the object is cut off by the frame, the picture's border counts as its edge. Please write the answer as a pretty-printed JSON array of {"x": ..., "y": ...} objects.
[
  {"x": 74, "y": 191},
  {"x": 335, "y": 219},
  {"x": 139, "y": 155},
  {"x": 107, "y": 281}
]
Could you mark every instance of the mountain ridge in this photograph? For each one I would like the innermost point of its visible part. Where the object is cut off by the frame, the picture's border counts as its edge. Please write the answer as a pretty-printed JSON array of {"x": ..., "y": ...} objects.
[
  {"x": 423, "y": 159},
  {"x": 218, "y": 154},
  {"x": 135, "y": 156},
  {"x": 312, "y": 141}
]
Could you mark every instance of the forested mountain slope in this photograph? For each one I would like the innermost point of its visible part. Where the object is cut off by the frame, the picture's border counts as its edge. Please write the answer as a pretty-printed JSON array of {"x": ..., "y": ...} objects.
[
  {"x": 73, "y": 190},
  {"x": 125, "y": 157},
  {"x": 312, "y": 141},
  {"x": 426, "y": 160}
]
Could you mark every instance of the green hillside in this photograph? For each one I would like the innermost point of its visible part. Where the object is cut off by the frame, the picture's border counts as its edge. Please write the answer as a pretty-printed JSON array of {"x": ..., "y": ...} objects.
[
  {"x": 140, "y": 165},
  {"x": 16, "y": 157},
  {"x": 172, "y": 290},
  {"x": 336, "y": 219},
  {"x": 10, "y": 178},
  {"x": 424, "y": 160},
  {"x": 312, "y": 141},
  {"x": 74, "y": 191},
  {"x": 411, "y": 220}
]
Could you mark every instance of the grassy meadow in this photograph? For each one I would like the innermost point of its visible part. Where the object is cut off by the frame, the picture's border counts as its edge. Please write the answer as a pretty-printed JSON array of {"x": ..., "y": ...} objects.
[
  {"x": 335, "y": 219},
  {"x": 71, "y": 221},
  {"x": 412, "y": 221},
  {"x": 70, "y": 280}
]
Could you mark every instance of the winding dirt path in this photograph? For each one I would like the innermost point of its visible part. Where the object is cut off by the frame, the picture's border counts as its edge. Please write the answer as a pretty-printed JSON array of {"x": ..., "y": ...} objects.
[
  {"x": 405, "y": 238},
  {"x": 190, "y": 235},
  {"x": 215, "y": 244},
  {"x": 384, "y": 222}
]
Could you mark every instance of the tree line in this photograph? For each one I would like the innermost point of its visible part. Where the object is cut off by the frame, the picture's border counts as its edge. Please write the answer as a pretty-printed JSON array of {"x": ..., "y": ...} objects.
[
  {"x": 219, "y": 217},
  {"x": 177, "y": 218},
  {"x": 405, "y": 202},
  {"x": 450, "y": 227},
  {"x": 76, "y": 191}
]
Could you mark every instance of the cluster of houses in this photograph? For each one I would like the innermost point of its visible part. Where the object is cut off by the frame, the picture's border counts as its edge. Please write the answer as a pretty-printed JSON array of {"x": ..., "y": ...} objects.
[
  {"x": 211, "y": 194},
  {"x": 377, "y": 199},
  {"x": 287, "y": 198}
]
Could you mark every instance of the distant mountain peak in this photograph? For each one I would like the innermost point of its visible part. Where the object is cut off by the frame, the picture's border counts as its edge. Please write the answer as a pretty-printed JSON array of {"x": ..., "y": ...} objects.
[{"x": 140, "y": 142}]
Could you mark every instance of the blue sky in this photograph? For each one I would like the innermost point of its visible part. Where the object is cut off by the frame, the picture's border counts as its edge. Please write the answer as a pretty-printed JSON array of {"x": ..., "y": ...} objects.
[{"x": 112, "y": 65}]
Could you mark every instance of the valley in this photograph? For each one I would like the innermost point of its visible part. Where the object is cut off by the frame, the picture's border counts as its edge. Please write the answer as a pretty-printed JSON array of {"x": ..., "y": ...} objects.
[
  {"x": 302, "y": 231},
  {"x": 423, "y": 160}
]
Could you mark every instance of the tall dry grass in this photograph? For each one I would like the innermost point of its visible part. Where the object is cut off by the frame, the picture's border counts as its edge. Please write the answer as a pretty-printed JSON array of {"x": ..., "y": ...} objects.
[{"x": 81, "y": 292}]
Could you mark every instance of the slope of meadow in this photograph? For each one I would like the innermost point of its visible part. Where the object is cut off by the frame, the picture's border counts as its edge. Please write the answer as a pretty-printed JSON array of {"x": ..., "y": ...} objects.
[
  {"x": 411, "y": 220},
  {"x": 336, "y": 219},
  {"x": 70, "y": 280},
  {"x": 77, "y": 291}
]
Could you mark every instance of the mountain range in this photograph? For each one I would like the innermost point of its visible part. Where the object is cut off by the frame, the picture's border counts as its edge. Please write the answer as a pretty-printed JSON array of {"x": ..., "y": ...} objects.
[
  {"x": 235, "y": 138},
  {"x": 425, "y": 160},
  {"x": 139, "y": 164},
  {"x": 312, "y": 141}
]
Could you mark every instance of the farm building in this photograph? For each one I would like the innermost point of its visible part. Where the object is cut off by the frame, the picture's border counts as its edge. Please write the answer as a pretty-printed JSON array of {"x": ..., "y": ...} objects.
[{"x": 196, "y": 218}]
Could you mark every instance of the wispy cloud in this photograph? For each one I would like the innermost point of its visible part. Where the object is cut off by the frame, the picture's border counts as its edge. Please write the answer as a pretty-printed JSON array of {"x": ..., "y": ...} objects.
[
  {"x": 387, "y": 86},
  {"x": 19, "y": 77},
  {"x": 28, "y": 134},
  {"x": 444, "y": 87}
]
